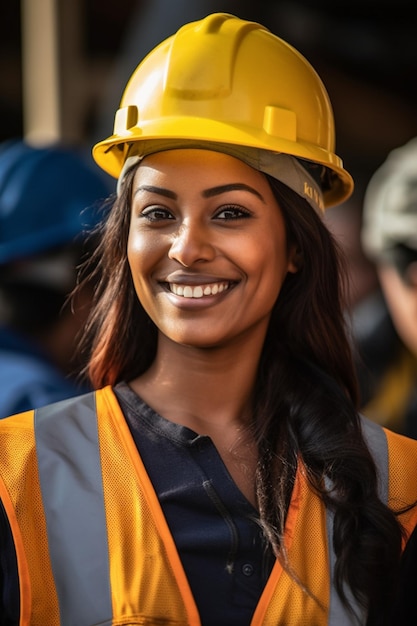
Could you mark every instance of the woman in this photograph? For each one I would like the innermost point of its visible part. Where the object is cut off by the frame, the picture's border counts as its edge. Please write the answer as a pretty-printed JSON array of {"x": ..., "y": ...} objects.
[{"x": 221, "y": 473}]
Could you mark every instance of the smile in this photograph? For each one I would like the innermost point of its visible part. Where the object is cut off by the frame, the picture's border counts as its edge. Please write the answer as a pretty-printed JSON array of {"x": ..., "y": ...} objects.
[{"x": 198, "y": 291}]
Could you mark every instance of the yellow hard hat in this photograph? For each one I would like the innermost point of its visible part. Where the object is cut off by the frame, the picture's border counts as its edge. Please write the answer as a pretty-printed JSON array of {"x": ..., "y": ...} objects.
[{"x": 229, "y": 81}]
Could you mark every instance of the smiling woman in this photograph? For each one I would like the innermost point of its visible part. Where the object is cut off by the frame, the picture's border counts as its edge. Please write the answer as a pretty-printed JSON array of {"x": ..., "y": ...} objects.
[
  {"x": 223, "y": 472},
  {"x": 194, "y": 253}
]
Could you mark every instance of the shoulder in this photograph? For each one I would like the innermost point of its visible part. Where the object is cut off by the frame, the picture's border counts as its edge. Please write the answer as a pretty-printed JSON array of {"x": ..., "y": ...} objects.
[
  {"x": 78, "y": 414},
  {"x": 402, "y": 464},
  {"x": 73, "y": 409},
  {"x": 402, "y": 452},
  {"x": 26, "y": 420},
  {"x": 396, "y": 459}
]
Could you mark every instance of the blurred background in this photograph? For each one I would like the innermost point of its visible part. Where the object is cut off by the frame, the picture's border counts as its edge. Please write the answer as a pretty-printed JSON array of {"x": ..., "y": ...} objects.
[{"x": 64, "y": 64}]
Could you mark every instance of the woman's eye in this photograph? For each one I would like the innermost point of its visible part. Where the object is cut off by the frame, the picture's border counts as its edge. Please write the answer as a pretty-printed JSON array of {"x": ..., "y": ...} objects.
[
  {"x": 156, "y": 214},
  {"x": 232, "y": 213}
]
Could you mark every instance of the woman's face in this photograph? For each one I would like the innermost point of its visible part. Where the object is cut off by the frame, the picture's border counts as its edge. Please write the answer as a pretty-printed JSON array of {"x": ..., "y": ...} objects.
[{"x": 207, "y": 246}]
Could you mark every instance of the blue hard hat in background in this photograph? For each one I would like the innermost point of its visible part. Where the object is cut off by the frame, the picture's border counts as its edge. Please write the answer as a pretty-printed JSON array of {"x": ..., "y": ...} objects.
[{"x": 48, "y": 196}]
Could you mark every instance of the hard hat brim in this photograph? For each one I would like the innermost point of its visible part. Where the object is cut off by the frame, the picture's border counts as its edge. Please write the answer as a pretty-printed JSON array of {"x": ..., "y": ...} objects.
[{"x": 111, "y": 153}]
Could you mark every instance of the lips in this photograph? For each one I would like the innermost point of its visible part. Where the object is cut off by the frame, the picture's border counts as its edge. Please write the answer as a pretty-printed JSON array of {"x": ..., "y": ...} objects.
[{"x": 198, "y": 291}]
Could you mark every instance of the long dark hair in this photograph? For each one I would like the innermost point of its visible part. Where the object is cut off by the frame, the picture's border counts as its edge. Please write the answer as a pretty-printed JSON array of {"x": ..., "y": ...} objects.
[
  {"x": 305, "y": 398},
  {"x": 307, "y": 407}
]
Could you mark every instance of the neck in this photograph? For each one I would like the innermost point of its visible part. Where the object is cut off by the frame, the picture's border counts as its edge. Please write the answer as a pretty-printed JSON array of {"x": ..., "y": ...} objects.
[
  {"x": 209, "y": 391},
  {"x": 203, "y": 389}
]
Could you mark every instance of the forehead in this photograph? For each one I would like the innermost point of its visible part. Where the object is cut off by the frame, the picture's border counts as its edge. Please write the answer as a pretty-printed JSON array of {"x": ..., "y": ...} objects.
[{"x": 198, "y": 167}]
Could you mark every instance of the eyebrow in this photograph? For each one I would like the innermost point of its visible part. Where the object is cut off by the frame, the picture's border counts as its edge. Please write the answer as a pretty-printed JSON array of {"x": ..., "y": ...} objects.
[
  {"x": 214, "y": 191},
  {"x": 159, "y": 190},
  {"x": 207, "y": 193}
]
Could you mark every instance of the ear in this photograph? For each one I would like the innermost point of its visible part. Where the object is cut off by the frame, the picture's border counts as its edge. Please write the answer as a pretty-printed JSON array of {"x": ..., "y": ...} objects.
[{"x": 295, "y": 260}]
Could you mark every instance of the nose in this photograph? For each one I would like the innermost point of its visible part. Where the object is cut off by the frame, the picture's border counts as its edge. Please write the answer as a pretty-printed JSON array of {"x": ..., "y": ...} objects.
[{"x": 191, "y": 244}]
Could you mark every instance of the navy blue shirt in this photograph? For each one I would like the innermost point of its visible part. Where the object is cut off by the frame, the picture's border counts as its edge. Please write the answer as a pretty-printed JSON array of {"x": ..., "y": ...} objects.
[{"x": 215, "y": 528}]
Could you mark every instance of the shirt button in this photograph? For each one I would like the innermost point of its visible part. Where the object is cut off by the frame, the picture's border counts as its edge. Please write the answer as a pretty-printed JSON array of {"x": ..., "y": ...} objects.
[{"x": 247, "y": 569}]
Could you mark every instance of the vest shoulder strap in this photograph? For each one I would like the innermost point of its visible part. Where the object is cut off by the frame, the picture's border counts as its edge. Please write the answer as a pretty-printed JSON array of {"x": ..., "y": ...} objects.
[{"x": 68, "y": 430}]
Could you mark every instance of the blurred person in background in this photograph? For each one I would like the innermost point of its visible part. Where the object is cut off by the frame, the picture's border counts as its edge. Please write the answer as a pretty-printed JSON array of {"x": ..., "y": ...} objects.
[
  {"x": 47, "y": 198},
  {"x": 385, "y": 329}
]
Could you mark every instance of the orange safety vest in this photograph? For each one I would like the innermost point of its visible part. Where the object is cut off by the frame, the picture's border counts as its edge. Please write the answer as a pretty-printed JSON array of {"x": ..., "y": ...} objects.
[{"x": 92, "y": 543}]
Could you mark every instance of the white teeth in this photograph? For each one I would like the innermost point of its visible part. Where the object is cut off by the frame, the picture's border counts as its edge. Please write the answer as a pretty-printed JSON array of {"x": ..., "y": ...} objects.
[{"x": 198, "y": 291}]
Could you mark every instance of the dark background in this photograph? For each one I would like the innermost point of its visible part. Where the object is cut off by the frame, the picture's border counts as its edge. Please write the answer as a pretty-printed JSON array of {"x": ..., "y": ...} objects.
[{"x": 366, "y": 53}]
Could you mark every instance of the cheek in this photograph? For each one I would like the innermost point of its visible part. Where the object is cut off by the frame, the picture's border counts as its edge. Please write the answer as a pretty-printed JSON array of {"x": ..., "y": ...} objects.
[
  {"x": 271, "y": 255},
  {"x": 266, "y": 265},
  {"x": 139, "y": 255}
]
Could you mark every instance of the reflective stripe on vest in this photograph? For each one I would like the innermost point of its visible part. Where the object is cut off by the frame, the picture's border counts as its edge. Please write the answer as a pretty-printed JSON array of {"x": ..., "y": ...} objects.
[{"x": 76, "y": 524}]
